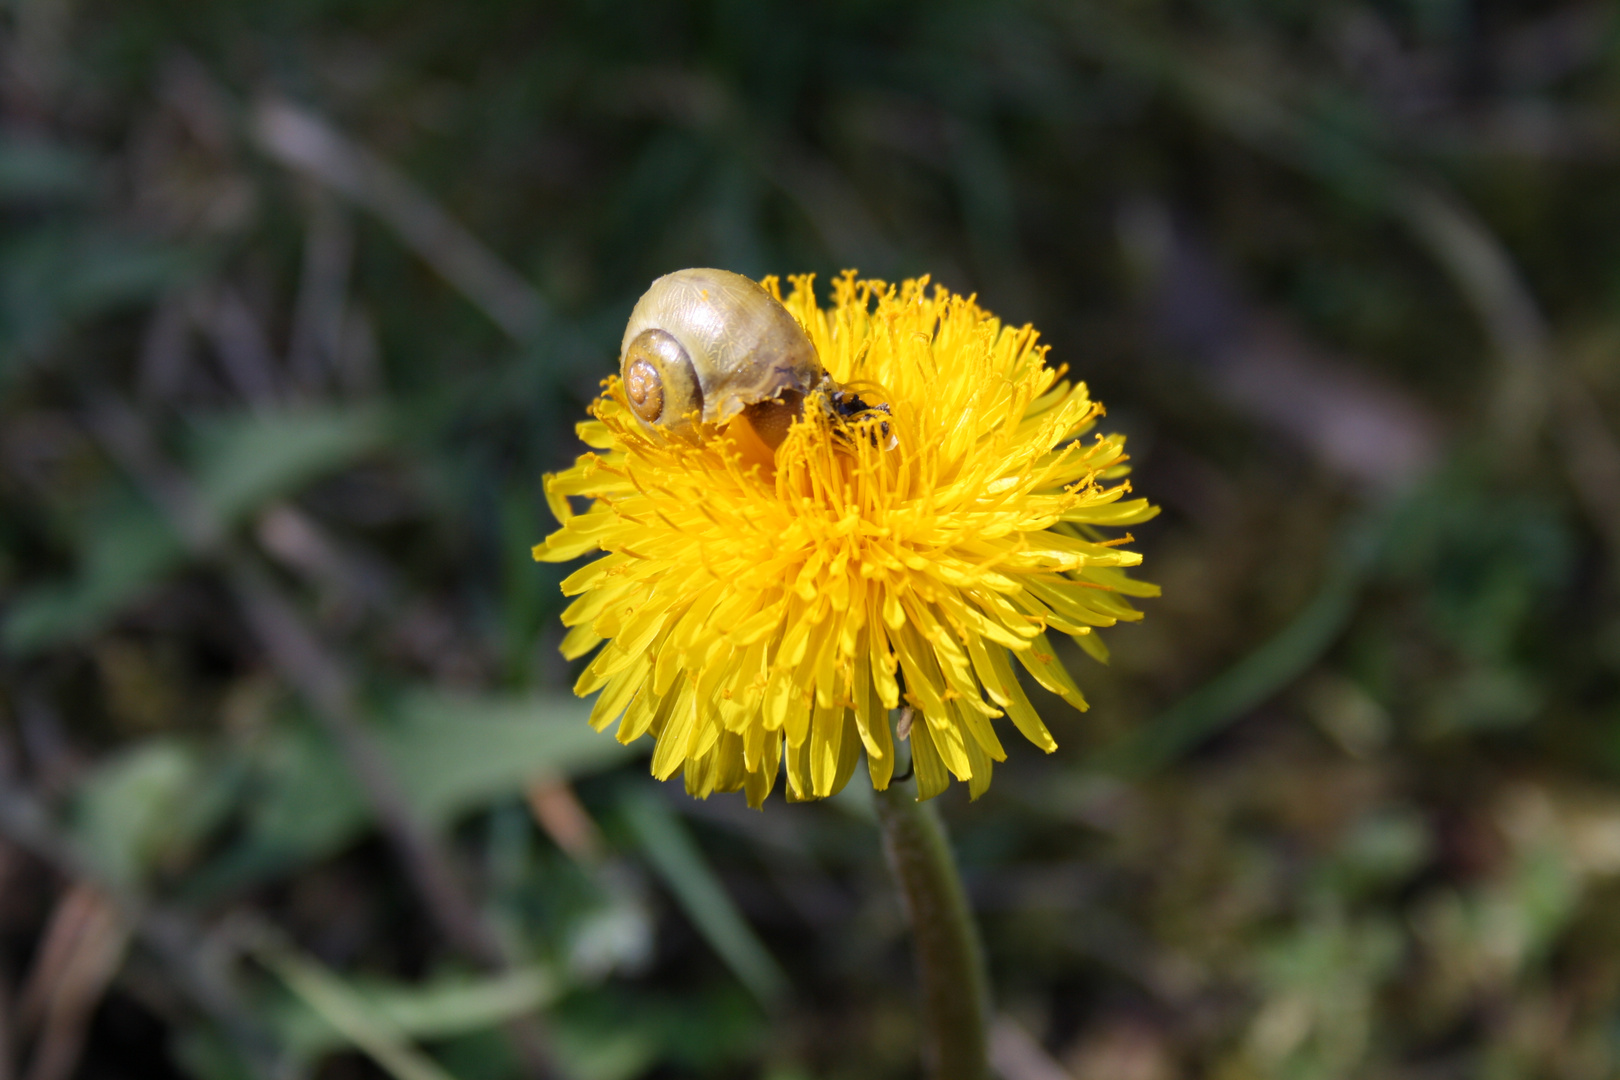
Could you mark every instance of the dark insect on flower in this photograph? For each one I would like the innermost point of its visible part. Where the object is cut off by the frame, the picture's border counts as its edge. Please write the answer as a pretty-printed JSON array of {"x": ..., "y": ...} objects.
[{"x": 846, "y": 403}]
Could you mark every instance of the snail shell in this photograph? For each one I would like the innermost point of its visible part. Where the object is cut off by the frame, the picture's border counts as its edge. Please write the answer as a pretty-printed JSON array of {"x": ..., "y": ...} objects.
[{"x": 709, "y": 344}]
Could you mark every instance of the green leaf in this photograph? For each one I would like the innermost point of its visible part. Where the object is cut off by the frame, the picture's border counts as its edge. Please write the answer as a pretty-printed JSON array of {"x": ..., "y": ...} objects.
[
  {"x": 146, "y": 805},
  {"x": 244, "y": 461},
  {"x": 126, "y": 548},
  {"x": 52, "y": 278},
  {"x": 452, "y": 753},
  {"x": 309, "y": 806}
]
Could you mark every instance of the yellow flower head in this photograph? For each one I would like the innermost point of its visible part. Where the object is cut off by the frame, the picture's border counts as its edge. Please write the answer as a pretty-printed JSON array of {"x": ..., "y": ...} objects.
[{"x": 759, "y": 606}]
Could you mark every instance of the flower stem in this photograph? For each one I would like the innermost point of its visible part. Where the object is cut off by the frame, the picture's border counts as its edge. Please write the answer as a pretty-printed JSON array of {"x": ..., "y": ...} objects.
[{"x": 950, "y": 960}]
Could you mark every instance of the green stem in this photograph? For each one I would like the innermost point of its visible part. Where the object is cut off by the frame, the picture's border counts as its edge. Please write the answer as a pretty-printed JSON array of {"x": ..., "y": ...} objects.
[{"x": 950, "y": 960}]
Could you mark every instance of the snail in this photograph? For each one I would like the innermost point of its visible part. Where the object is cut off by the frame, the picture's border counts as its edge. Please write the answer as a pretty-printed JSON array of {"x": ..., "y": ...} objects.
[
  {"x": 703, "y": 346},
  {"x": 706, "y": 345}
]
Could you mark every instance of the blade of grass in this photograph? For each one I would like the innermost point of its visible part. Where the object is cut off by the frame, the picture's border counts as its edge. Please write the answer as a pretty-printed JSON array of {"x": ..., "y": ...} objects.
[
  {"x": 1343, "y": 150},
  {"x": 676, "y": 858},
  {"x": 443, "y": 1007},
  {"x": 1248, "y": 683},
  {"x": 1275, "y": 664},
  {"x": 332, "y": 999},
  {"x": 306, "y": 143}
]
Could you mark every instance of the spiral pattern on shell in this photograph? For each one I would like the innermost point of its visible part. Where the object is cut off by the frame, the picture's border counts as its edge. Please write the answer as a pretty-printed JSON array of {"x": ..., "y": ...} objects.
[{"x": 704, "y": 345}]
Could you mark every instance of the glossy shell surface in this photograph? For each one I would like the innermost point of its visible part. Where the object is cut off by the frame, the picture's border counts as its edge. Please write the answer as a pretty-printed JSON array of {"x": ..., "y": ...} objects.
[{"x": 743, "y": 348}]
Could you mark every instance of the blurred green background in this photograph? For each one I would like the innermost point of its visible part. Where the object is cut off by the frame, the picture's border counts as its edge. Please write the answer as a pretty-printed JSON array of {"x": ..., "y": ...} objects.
[{"x": 299, "y": 300}]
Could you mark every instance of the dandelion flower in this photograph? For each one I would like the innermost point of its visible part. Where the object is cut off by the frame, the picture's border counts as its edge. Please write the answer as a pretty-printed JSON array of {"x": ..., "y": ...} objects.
[{"x": 759, "y": 606}]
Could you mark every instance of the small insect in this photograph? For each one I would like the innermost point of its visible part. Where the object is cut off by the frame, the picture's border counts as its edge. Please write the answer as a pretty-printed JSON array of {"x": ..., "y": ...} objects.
[
  {"x": 847, "y": 404},
  {"x": 705, "y": 345}
]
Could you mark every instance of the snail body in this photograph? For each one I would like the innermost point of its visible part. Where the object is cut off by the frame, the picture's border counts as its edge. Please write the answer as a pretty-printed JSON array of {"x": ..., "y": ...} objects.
[{"x": 704, "y": 345}]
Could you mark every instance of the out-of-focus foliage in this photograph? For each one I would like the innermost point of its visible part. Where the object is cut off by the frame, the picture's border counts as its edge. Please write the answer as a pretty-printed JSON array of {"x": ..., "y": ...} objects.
[{"x": 298, "y": 300}]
